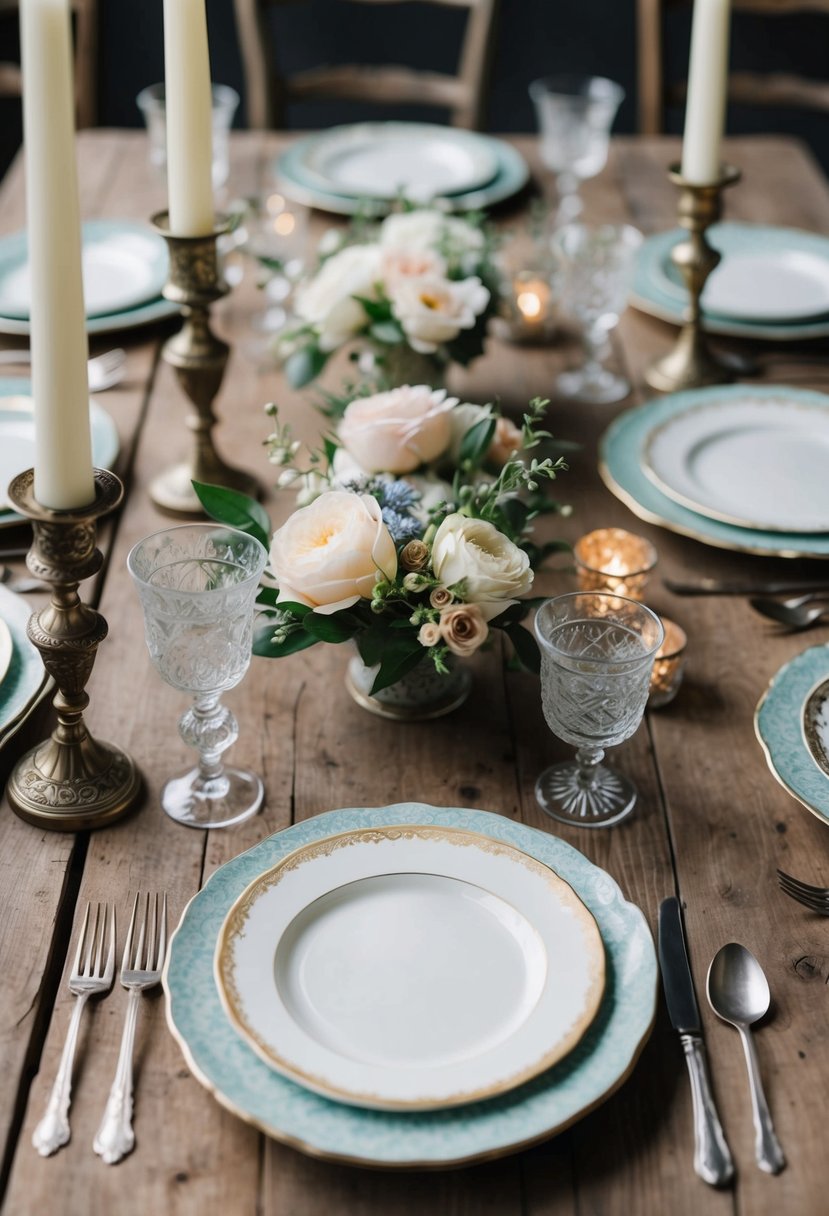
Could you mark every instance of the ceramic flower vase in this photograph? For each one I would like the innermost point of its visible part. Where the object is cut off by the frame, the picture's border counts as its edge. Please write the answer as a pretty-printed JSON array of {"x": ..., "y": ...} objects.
[{"x": 421, "y": 694}]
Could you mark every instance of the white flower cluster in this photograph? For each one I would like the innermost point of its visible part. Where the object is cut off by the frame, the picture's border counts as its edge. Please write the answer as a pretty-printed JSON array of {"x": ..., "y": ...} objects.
[{"x": 408, "y": 266}]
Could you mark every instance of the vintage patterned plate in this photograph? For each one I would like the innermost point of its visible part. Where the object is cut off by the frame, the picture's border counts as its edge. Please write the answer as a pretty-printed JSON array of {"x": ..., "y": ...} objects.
[
  {"x": 791, "y": 722},
  {"x": 246, "y": 1085}
]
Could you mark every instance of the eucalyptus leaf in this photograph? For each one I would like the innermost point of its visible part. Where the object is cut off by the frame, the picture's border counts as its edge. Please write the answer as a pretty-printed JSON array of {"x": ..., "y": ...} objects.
[
  {"x": 304, "y": 365},
  {"x": 265, "y": 647},
  {"x": 388, "y": 332},
  {"x": 476, "y": 441}
]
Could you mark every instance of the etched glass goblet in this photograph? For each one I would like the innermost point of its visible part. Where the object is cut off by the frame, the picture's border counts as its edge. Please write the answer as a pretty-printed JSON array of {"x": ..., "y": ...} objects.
[
  {"x": 197, "y": 584},
  {"x": 597, "y": 653},
  {"x": 575, "y": 114},
  {"x": 596, "y": 268}
]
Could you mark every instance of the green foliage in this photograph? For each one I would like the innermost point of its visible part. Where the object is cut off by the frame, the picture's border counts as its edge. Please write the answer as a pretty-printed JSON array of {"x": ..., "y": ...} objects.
[
  {"x": 236, "y": 510},
  {"x": 304, "y": 365}
]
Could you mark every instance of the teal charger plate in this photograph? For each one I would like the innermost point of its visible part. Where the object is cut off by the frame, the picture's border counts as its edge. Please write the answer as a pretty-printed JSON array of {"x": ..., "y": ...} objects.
[
  {"x": 244, "y": 1084},
  {"x": 620, "y": 465},
  {"x": 25, "y": 677},
  {"x": 778, "y": 724},
  {"x": 657, "y": 288},
  {"x": 511, "y": 176}
]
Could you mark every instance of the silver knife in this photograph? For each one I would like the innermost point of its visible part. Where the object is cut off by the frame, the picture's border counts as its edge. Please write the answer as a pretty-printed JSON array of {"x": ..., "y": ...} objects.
[{"x": 712, "y": 1159}]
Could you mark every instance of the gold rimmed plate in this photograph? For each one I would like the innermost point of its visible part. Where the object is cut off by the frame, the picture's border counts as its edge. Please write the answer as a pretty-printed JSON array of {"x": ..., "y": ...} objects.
[{"x": 410, "y": 968}]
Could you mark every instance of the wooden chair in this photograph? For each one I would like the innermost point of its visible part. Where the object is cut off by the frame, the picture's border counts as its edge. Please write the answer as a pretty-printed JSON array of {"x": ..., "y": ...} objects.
[
  {"x": 86, "y": 60},
  {"x": 746, "y": 88},
  {"x": 462, "y": 95}
]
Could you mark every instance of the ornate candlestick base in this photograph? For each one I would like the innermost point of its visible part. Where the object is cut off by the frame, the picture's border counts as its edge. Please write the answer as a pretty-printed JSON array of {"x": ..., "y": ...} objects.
[
  {"x": 199, "y": 358},
  {"x": 691, "y": 364},
  {"x": 70, "y": 781}
]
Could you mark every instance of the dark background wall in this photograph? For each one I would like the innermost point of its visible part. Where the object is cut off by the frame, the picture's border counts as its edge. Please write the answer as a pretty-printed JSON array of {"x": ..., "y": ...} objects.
[{"x": 536, "y": 37}]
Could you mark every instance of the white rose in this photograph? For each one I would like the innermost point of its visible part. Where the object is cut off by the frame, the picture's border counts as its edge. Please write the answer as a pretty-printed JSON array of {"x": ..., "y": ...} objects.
[
  {"x": 410, "y": 264},
  {"x": 416, "y": 231},
  {"x": 434, "y": 310},
  {"x": 496, "y": 571},
  {"x": 330, "y": 554},
  {"x": 397, "y": 431},
  {"x": 327, "y": 301}
]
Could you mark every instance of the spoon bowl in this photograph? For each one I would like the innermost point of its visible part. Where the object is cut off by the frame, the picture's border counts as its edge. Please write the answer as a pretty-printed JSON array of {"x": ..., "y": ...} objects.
[{"x": 793, "y": 615}]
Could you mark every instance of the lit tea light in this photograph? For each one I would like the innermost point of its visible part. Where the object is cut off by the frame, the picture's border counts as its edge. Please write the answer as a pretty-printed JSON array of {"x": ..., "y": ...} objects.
[
  {"x": 611, "y": 559},
  {"x": 669, "y": 665},
  {"x": 527, "y": 313},
  {"x": 532, "y": 299}
]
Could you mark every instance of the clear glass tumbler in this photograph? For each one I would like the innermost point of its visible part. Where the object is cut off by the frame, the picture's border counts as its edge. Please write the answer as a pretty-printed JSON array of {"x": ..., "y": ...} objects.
[
  {"x": 597, "y": 654},
  {"x": 575, "y": 115},
  {"x": 197, "y": 584},
  {"x": 596, "y": 266},
  {"x": 151, "y": 103}
]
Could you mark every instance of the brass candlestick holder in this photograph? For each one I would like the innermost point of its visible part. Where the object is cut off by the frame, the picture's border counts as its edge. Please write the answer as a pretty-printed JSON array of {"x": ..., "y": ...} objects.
[
  {"x": 199, "y": 358},
  {"x": 70, "y": 781},
  {"x": 691, "y": 364}
]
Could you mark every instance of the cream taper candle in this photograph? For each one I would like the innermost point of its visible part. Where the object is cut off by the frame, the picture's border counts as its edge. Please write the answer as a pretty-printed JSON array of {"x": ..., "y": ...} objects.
[
  {"x": 707, "y": 89},
  {"x": 63, "y": 455},
  {"x": 189, "y": 118}
]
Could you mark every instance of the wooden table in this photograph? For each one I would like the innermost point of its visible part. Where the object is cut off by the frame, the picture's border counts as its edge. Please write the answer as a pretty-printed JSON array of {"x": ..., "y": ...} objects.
[{"x": 711, "y": 823}]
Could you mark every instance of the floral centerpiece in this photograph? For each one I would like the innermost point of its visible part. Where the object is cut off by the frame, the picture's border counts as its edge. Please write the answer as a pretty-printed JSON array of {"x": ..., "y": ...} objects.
[
  {"x": 413, "y": 533},
  {"x": 416, "y": 289}
]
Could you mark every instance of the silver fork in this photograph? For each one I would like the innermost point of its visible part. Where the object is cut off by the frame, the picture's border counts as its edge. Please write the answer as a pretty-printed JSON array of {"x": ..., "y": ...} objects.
[
  {"x": 104, "y": 371},
  {"x": 91, "y": 976},
  {"x": 141, "y": 966},
  {"x": 815, "y": 898}
]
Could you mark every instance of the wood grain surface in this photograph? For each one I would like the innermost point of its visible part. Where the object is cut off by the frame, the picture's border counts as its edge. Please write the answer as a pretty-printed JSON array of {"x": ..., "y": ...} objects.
[{"x": 711, "y": 823}]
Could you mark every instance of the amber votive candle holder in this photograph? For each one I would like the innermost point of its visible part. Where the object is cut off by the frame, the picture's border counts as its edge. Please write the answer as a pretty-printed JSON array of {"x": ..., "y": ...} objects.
[
  {"x": 613, "y": 560},
  {"x": 668, "y": 666}
]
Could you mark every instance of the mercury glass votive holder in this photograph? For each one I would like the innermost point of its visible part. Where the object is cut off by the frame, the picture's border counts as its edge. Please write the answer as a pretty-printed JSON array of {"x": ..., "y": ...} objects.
[
  {"x": 613, "y": 560},
  {"x": 668, "y": 666}
]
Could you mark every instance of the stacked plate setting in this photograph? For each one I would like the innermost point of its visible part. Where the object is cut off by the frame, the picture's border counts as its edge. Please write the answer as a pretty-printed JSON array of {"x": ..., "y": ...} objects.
[
  {"x": 410, "y": 985},
  {"x": 23, "y": 681},
  {"x": 772, "y": 283},
  {"x": 792, "y": 724},
  {"x": 366, "y": 166},
  {"x": 124, "y": 272},
  {"x": 738, "y": 467}
]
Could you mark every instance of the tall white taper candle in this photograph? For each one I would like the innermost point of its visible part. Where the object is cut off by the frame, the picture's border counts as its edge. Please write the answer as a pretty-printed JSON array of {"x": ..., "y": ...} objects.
[
  {"x": 189, "y": 118},
  {"x": 707, "y": 86},
  {"x": 63, "y": 456}
]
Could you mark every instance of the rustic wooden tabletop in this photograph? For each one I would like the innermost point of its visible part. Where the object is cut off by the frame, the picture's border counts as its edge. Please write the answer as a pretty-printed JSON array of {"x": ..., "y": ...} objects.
[{"x": 711, "y": 824}]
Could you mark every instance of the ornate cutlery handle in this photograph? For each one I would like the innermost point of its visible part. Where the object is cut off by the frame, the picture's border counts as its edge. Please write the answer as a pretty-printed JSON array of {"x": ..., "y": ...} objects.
[
  {"x": 767, "y": 1150},
  {"x": 52, "y": 1132},
  {"x": 712, "y": 1159},
  {"x": 115, "y": 1137}
]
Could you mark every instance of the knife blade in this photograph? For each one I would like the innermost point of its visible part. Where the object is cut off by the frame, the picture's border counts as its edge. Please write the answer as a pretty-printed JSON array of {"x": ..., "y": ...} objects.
[{"x": 712, "y": 1159}]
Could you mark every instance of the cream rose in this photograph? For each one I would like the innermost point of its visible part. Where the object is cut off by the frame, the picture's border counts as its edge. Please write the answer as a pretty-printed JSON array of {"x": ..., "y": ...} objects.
[
  {"x": 397, "y": 431},
  {"x": 330, "y": 554},
  {"x": 507, "y": 441},
  {"x": 427, "y": 229},
  {"x": 463, "y": 628},
  {"x": 429, "y": 634},
  {"x": 496, "y": 572},
  {"x": 327, "y": 301},
  {"x": 434, "y": 310},
  {"x": 399, "y": 264}
]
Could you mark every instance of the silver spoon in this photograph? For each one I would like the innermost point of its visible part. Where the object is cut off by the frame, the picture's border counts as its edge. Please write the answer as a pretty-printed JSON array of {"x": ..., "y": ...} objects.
[
  {"x": 798, "y": 613},
  {"x": 738, "y": 992}
]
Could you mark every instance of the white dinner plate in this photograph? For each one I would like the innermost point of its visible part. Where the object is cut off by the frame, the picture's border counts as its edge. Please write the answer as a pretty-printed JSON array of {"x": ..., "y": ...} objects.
[
  {"x": 769, "y": 285},
  {"x": 755, "y": 461},
  {"x": 17, "y": 440},
  {"x": 124, "y": 265},
  {"x": 410, "y": 968},
  {"x": 385, "y": 159}
]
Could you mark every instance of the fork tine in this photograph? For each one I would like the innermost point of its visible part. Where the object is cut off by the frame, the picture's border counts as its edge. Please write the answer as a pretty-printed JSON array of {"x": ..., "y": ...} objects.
[
  {"x": 161, "y": 951},
  {"x": 125, "y": 958},
  {"x": 800, "y": 889},
  {"x": 110, "y": 963},
  {"x": 139, "y": 950},
  {"x": 76, "y": 966},
  {"x": 101, "y": 939},
  {"x": 799, "y": 885},
  {"x": 808, "y": 901},
  {"x": 151, "y": 943},
  {"x": 90, "y": 945}
]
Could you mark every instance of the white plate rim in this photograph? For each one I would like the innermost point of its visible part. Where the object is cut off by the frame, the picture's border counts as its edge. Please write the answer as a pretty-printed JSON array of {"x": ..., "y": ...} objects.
[
  {"x": 234, "y": 923},
  {"x": 752, "y": 312},
  {"x": 705, "y": 509}
]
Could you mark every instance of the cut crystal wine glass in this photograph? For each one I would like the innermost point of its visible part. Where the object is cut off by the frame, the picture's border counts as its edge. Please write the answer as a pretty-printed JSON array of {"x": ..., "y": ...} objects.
[
  {"x": 197, "y": 584},
  {"x": 597, "y": 653},
  {"x": 575, "y": 114},
  {"x": 596, "y": 268}
]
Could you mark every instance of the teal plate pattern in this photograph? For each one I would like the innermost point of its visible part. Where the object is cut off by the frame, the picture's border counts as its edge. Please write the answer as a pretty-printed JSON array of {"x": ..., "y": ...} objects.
[
  {"x": 620, "y": 464},
  {"x": 657, "y": 288},
  {"x": 105, "y": 443},
  {"x": 25, "y": 675},
  {"x": 778, "y": 724},
  {"x": 511, "y": 176},
  {"x": 243, "y": 1083}
]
